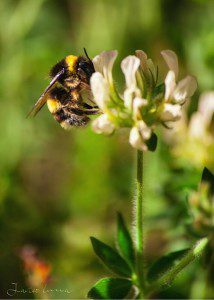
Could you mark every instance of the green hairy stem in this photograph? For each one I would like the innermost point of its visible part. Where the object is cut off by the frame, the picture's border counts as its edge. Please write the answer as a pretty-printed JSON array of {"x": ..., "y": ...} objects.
[
  {"x": 139, "y": 224},
  {"x": 192, "y": 254}
]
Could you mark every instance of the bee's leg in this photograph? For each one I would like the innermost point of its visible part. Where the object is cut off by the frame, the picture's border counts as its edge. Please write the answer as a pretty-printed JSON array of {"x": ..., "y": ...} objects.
[
  {"x": 75, "y": 120},
  {"x": 81, "y": 112},
  {"x": 92, "y": 111},
  {"x": 89, "y": 106}
]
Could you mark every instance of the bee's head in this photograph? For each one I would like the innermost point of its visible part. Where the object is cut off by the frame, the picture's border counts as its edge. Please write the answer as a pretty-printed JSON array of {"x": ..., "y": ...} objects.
[
  {"x": 73, "y": 65},
  {"x": 85, "y": 68}
]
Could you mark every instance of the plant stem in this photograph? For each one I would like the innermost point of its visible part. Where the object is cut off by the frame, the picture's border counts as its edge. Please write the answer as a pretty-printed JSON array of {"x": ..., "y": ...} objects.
[
  {"x": 209, "y": 290},
  {"x": 139, "y": 224},
  {"x": 194, "y": 253}
]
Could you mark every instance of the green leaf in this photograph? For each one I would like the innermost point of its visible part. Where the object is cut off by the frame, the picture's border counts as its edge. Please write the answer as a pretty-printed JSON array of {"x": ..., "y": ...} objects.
[
  {"x": 164, "y": 264},
  {"x": 110, "y": 288},
  {"x": 111, "y": 258},
  {"x": 125, "y": 241},
  {"x": 208, "y": 177},
  {"x": 152, "y": 142}
]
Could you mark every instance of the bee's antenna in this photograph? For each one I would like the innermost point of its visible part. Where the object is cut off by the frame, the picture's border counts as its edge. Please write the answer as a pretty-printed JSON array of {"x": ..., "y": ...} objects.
[
  {"x": 86, "y": 54},
  {"x": 91, "y": 62}
]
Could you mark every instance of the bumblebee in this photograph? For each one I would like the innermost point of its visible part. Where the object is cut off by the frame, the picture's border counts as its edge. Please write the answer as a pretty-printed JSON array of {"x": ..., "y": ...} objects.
[{"x": 68, "y": 95}]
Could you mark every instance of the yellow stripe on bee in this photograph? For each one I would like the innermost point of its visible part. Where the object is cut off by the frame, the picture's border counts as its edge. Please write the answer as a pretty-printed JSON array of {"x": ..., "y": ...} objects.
[
  {"x": 71, "y": 61},
  {"x": 53, "y": 105}
]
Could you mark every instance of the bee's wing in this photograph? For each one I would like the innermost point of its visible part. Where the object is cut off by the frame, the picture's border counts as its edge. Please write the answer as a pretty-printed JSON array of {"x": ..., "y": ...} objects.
[
  {"x": 42, "y": 99},
  {"x": 37, "y": 106},
  {"x": 86, "y": 94}
]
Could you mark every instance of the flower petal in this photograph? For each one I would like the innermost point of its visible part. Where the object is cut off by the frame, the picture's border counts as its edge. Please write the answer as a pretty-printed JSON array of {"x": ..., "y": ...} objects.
[
  {"x": 171, "y": 112},
  {"x": 185, "y": 89},
  {"x": 144, "y": 130},
  {"x": 100, "y": 91},
  {"x": 129, "y": 66},
  {"x": 206, "y": 106},
  {"x": 152, "y": 69},
  {"x": 103, "y": 125},
  {"x": 138, "y": 103},
  {"x": 170, "y": 85},
  {"x": 171, "y": 60},
  {"x": 143, "y": 60},
  {"x": 148, "y": 67},
  {"x": 129, "y": 95},
  {"x": 135, "y": 139},
  {"x": 197, "y": 126},
  {"x": 103, "y": 63}
]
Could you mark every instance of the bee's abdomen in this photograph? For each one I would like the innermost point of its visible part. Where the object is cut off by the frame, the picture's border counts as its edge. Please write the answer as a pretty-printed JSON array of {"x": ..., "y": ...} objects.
[
  {"x": 60, "y": 94},
  {"x": 67, "y": 118},
  {"x": 66, "y": 107}
]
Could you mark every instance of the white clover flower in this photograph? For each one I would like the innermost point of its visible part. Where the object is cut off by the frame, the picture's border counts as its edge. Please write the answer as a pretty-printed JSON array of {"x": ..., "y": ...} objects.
[
  {"x": 192, "y": 139},
  {"x": 184, "y": 89},
  {"x": 103, "y": 63},
  {"x": 102, "y": 124},
  {"x": 129, "y": 95},
  {"x": 171, "y": 60},
  {"x": 170, "y": 85},
  {"x": 144, "y": 130},
  {"x": 142, "y": 101},
  {"x": 138, "y": 103},
  {"x": 197, "y": 128},
  {"x": 206, "y": 106},
  {"x": 136, "y": 141},
  {"x": 129, "y": 66},
  {"x": 143, "y": 60},
  {"x": 200, "y": 121},
  {"x": 139, "y": 134},
  {"x": 171, "y": 112},
  {"x": 101, "y": 86},
  {"x": 147, "y": 67},
  {"x": 100, "y": 90}
]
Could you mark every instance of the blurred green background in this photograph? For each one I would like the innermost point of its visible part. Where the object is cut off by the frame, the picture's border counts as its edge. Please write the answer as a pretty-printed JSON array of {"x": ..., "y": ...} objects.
[{"x": 57, "y": 188}]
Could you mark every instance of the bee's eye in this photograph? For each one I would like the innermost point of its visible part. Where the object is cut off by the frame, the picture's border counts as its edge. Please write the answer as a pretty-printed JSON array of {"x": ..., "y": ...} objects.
[
  {"x": 83, "y": 65},
  {"x": 86, "y": 67}
]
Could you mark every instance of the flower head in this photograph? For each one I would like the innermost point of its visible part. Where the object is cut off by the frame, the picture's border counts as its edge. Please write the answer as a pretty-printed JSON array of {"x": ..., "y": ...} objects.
[
  {"x": 192, "y": 139},
  {"x": 143, "y": 104}
]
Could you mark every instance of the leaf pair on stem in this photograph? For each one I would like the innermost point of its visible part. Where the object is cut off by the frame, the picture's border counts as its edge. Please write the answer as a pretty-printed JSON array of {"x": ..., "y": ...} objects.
[{"x": 123, "y": 263}]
